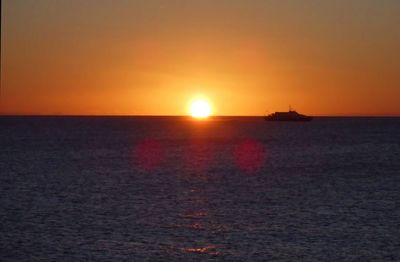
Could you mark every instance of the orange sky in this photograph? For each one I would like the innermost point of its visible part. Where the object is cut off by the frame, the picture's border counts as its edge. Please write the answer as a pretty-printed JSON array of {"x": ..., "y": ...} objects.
[{"x": 152, "y": 57}]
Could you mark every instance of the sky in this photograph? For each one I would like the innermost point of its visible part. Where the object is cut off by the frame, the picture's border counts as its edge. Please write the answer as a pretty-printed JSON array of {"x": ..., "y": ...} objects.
[{"x": 152, "y": 57}]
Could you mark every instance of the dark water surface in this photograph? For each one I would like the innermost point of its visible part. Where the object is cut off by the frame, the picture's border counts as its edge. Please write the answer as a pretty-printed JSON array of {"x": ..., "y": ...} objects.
[{"x": 169, "y": 188}]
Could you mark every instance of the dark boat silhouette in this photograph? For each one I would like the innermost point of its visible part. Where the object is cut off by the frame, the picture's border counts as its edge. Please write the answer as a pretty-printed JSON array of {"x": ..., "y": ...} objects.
[{"x": 291, "y": 115}]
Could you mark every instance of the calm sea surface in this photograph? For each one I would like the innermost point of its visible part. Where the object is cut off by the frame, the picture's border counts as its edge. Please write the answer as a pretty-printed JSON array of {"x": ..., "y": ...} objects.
[{"x": 170, "y": 188}]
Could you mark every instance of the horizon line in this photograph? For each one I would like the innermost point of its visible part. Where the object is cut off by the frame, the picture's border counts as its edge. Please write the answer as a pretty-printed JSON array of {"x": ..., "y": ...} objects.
[{"x": 150, "y": 115}]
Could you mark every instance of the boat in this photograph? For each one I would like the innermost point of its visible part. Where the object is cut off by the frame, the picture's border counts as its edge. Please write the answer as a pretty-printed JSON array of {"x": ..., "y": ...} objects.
[{"x": 291, "y": 115}]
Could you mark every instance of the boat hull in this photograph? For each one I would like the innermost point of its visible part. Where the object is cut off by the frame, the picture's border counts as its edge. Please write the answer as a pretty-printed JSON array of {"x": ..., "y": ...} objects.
[
  {"x": 300, "y": 119},
  {"x": 291, "y": 116}
]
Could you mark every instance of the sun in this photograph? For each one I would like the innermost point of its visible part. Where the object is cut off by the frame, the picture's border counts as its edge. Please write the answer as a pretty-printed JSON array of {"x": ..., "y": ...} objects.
[{"x": 200, "y": 108}]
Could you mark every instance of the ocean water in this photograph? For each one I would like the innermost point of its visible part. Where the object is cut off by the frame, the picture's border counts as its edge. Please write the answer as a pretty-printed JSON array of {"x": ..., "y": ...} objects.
[{"x": 171, "y": 188}]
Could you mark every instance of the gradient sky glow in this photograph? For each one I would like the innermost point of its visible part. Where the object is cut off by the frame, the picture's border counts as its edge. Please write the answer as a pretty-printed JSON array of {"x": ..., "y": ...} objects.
[{"x": 151, "y": 57}]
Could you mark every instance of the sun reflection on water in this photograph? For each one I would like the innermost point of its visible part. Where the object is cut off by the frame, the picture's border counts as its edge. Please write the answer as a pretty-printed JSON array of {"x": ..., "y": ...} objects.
[{"x": 211, "y": 250}]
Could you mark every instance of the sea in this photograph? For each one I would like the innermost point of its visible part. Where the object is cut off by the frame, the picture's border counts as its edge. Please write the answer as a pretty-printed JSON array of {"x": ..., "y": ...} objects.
[{"x": 179, "y": 189}]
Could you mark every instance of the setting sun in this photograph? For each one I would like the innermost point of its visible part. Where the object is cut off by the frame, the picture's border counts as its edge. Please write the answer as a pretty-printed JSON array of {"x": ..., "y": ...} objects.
[{"x": 200, "y": 108}]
